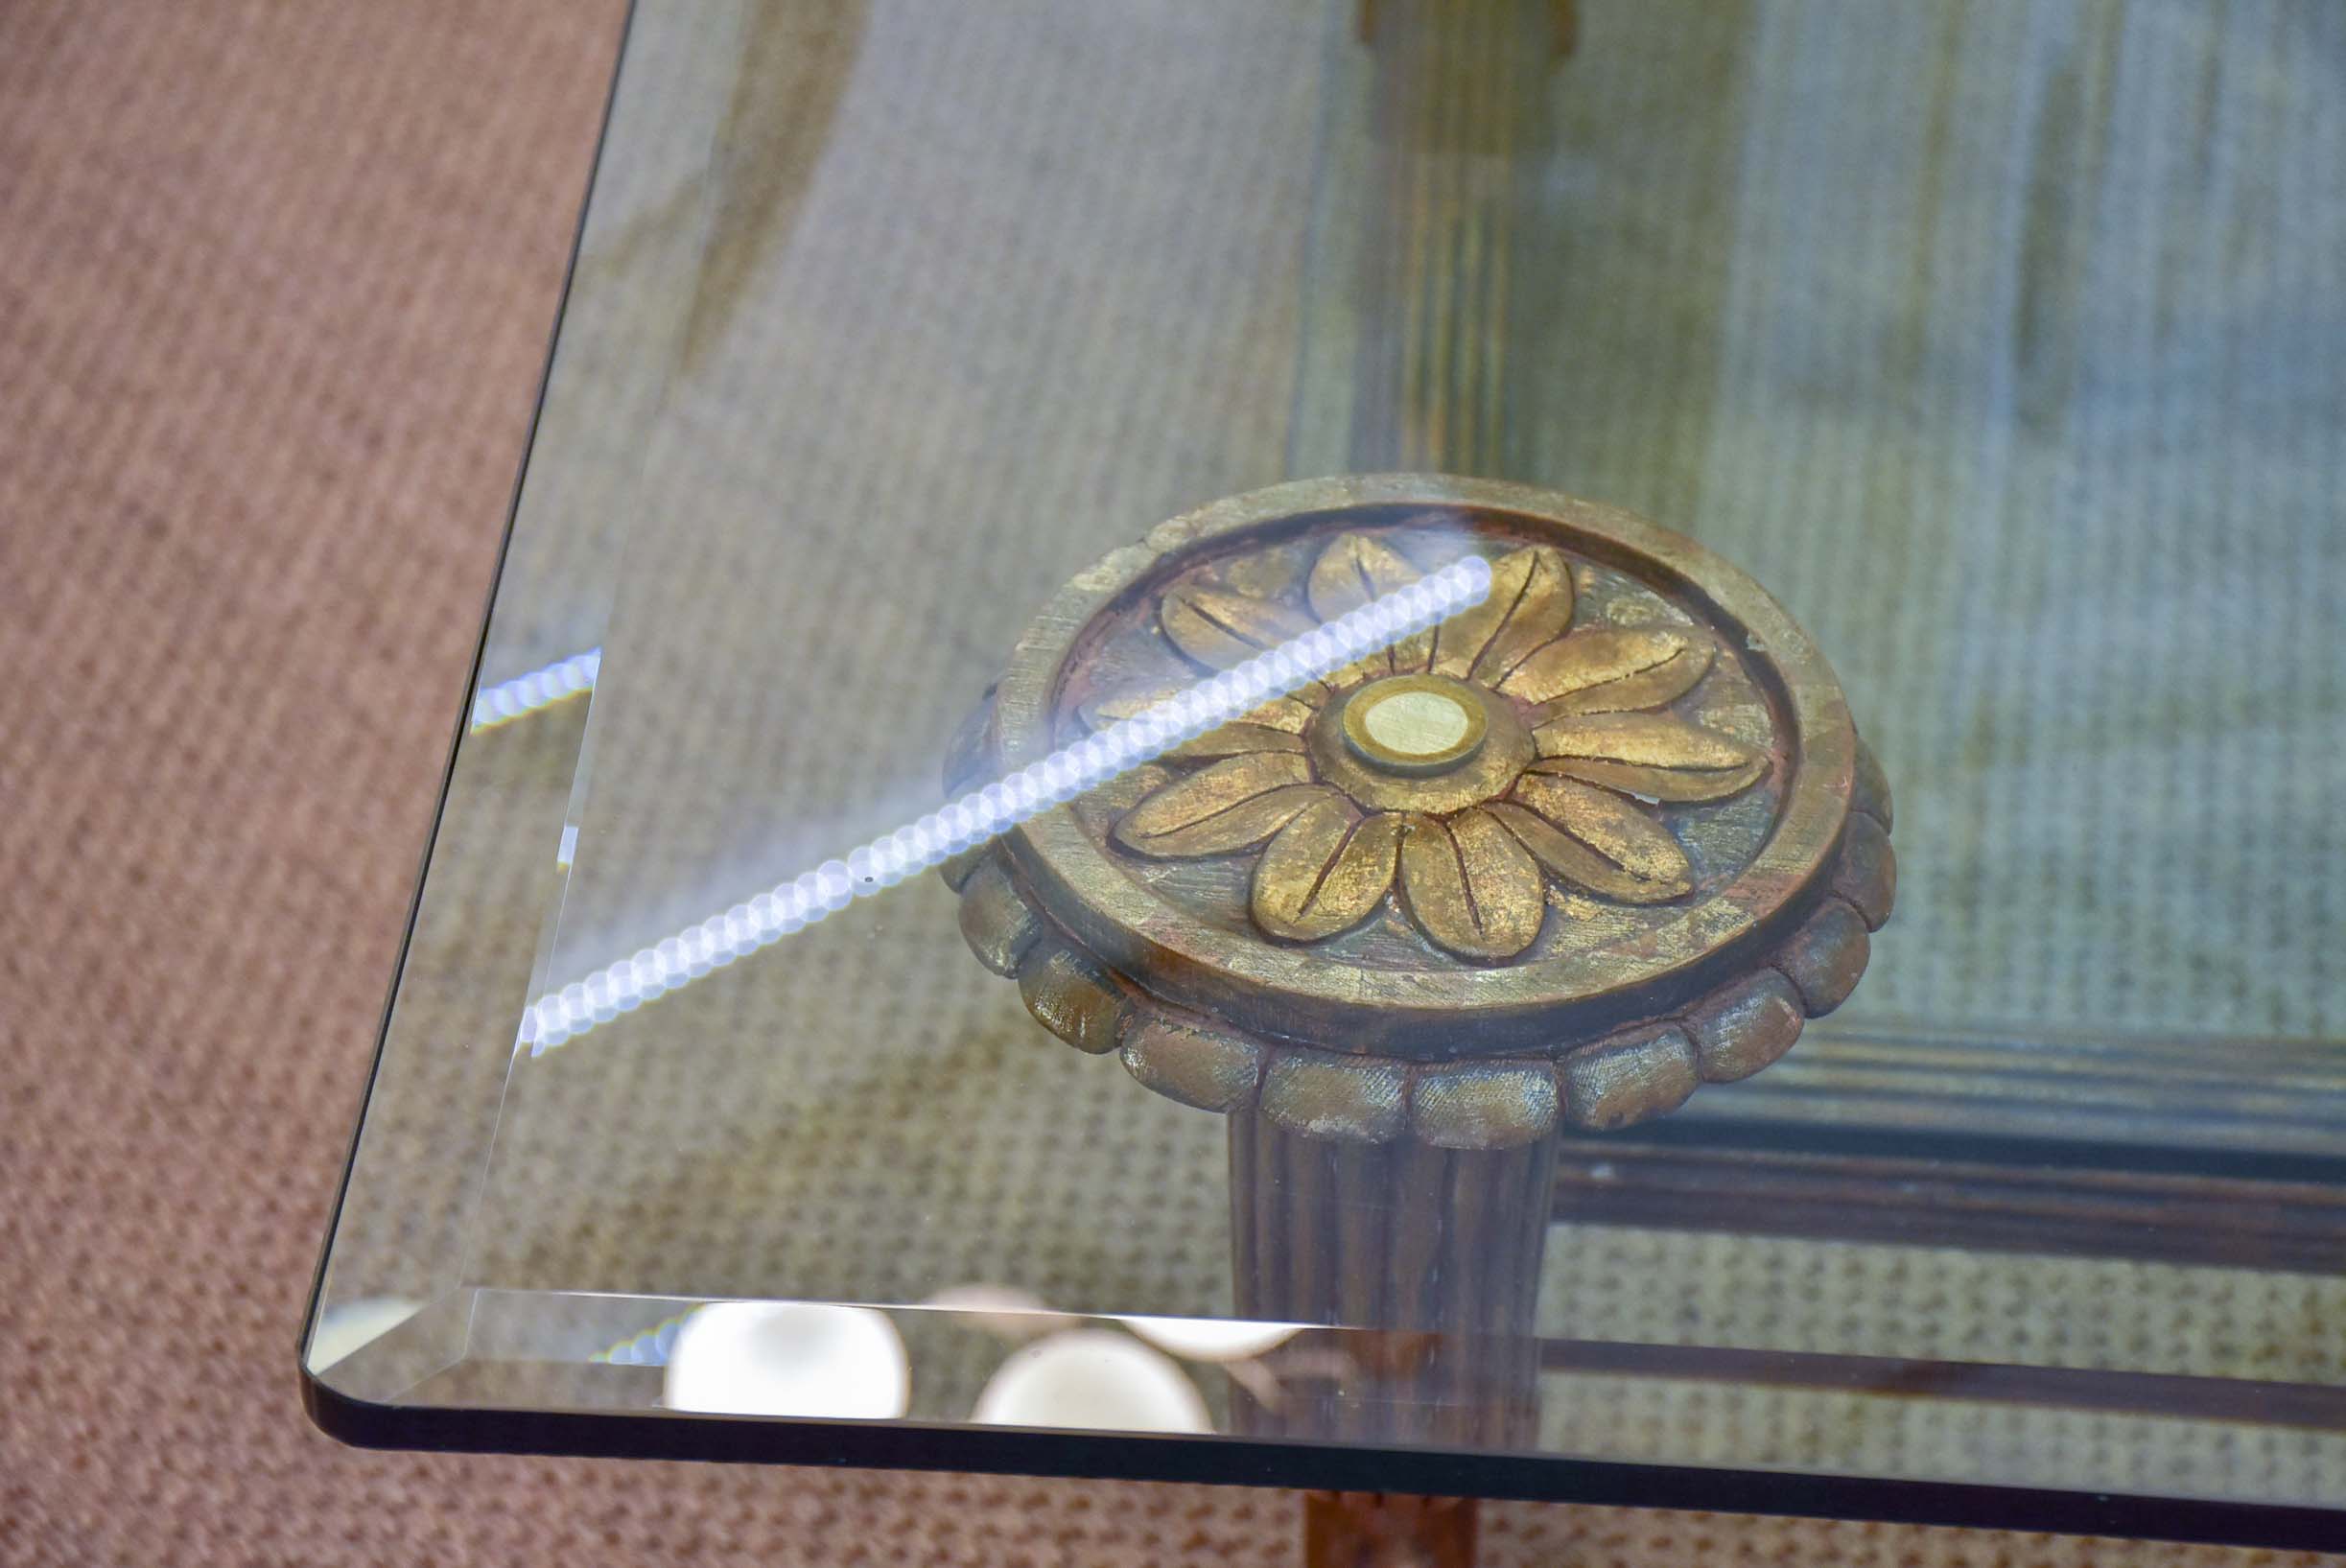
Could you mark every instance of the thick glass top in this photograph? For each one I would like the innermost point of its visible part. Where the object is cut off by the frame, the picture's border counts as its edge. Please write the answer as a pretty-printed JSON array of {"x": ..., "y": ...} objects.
[{"x": 1988, "y": 365}]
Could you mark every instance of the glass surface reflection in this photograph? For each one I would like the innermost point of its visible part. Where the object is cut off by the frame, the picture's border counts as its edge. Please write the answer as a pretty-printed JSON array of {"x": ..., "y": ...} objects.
[
  {"x": 788, "y": 1358},
  {"x": 2012, "y": 390}
]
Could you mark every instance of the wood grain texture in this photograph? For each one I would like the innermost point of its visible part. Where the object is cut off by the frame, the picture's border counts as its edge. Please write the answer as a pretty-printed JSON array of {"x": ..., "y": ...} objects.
[{"x": 1422, "y": 1265}]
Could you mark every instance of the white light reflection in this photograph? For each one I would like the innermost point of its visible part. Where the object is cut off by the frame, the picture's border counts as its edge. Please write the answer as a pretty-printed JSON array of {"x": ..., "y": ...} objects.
[
  {"x": 1095, "y": 1380},
  {"x": 792, "y": 906},
  {"x": 1213, "y": 1339},
  {"x": 788, "y": 1358},
  {"x": 1004, "y": 1311},
  {"x": 510, "y": 700},
  {"x": 348, "y": 1325}
]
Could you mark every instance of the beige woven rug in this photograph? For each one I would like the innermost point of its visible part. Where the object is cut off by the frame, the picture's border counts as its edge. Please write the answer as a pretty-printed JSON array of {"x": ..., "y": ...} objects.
[{"x": 273, "y": 291}]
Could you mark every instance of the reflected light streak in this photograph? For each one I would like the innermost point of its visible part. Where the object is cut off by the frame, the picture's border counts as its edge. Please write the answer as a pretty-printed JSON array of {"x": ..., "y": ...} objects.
[
  {"x": 510, "y": 700},
  {"x": 981, "y": 815}
]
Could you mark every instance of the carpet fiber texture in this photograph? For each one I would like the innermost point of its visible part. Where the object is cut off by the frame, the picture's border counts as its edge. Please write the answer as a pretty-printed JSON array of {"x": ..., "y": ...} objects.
[{"x": 275, "y": 286}]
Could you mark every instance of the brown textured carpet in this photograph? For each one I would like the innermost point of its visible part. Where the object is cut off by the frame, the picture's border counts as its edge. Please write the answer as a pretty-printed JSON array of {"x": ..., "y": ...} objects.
[{"x": 274, "y": 281}]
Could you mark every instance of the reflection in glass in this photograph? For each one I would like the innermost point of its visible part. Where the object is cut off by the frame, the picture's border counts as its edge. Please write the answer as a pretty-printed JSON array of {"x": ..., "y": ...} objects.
[
  {"x": 1213, "y": 1339},
  {"x": 1095, "y": 1380},
  {"x": 789, "y": 1358},
  {"x": 523, "y": 694},
  {"x": 351, "y": 1325},
  {"x": 792, "y": 906}
]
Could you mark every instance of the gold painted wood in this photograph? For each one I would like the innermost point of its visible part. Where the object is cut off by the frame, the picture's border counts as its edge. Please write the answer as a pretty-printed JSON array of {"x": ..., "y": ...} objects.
[
  {"x": 1234, "y": 804},
  {"x": 1415, "y": 725},
  {"x": 1456, "y": 766},
  {"x": 1573, "y": 883},
  {"x": 1530, "y": 603},
  {"x": 1609, "y": 672},
  {"x": 1596, "y": 842},
  {"x": 1648, "y": 755},
  {"x": 1220, "y": 629},
  {"x": 1470, "y": 884},
  {"x": 1326, "y": 872},
  {"x": 1620, "y": 842}
]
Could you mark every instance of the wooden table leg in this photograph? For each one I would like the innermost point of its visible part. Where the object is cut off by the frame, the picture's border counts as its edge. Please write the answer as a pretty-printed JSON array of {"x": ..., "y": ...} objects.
[
  {"x": 1422, "y": 1263},
  {"x": 1382, "y": 1530}
]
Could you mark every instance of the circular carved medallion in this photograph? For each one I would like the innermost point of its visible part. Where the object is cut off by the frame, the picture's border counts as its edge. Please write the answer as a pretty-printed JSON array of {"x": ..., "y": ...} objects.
[{"x": 1616, "y": 792}]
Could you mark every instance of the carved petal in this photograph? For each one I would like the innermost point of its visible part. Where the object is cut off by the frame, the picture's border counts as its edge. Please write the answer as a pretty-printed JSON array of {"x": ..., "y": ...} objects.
[
  {"x": 1825, "y": 958},
  {"x": 1238, "y": 738},
  {"x": 1070, "y": 995},
  {"x": 1471, "y": 886},
  {"x": 1230, "y": 805},
  {"x": 1289, "y": 717},
  {"x": 1292, "y": 714},
  {"x": 1209, "y": 1068},
  {"x": 1483, "y": 1104},
  {"x": 1597, "y": 840},
  {"x": 1353, "y": 570},
  {"x": 1530, "y": 603},
  {"x": 1745, "y": 1026},
  {"x": 995, "y": 920},
  {"x": 1325, "y": 871},
  {"x": 1337, "y": 1097},
  {"x": 1219, "y": 630},
  {"x": 1611, "y": 671},
  {"x": 1412, "y": 654},
  {"x": 1649, "y": 754},
  {"x": 1116, "y": 707},
  {"x": 1631, "y": 1076}
]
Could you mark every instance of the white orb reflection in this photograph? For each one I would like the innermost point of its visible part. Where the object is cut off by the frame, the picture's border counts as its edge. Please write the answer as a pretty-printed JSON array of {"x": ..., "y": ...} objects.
[
  {"x": 1003, "y": 1310},
  {"x": 1213, "y": 1339},
  {"x": 1092, "y": 1379},
  {"x": 789, "y": 1358}
]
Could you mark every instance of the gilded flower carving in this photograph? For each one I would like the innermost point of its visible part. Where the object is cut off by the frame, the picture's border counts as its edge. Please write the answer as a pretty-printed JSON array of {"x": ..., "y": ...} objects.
[{"x": 1456, "y": 774}]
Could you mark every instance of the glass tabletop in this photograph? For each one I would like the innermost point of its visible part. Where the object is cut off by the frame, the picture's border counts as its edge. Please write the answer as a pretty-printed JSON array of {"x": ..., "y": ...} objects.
[{"x": 827, "y": 757}]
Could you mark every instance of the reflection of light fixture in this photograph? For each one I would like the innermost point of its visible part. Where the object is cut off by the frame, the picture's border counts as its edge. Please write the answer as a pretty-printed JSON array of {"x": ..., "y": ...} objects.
[
  {"x": 510, "y": 699},
  {"x": 1003, "y": 1310},
  {"x": 1095, "y": 1380},
  {"x": 346, "y": 1325},
  {"x": 982, "y": 813},
  {"x": 788, "y": 1358},
  {"x": 1213, "y": 1339}
]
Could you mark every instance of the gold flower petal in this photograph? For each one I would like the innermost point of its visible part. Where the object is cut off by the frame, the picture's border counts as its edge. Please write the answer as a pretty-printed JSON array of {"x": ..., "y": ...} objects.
[
  {"x": 1119, "y": 706},
  {"x": 1230, "y": 805},
  {"x": 1649, "y": 754},
  {"x": 1288, "y": 715},
  {"x": 1471, "y": 886},
  {"x": 1325, "y": 871},
  {"x": 1611, "y": 671},
  {"x": 1241, "y": 827},
  {"x": 1236, "y": 738},
  {"x": 1292, "y": 714},
  {"x": 1353, "y": 570},
  {"x": 1219, "y": 630},
  {"x": 1595, "y": 839},
  {"x": 1412, "y": 655},
  {"x": 1530, "y": 605}
]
